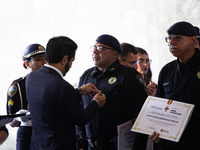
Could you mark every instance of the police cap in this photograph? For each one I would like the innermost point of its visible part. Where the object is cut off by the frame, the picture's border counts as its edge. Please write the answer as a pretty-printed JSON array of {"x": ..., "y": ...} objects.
[
  {"x": 110, "y": 41},
  {"x": 33, "y": 50},
  {"x": 182, "y": 28},
  {"x": 197, "y": 30}
]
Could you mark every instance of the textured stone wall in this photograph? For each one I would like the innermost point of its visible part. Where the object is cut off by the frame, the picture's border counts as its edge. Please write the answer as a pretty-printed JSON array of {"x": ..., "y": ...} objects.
[{"x": 142, "y": 23}]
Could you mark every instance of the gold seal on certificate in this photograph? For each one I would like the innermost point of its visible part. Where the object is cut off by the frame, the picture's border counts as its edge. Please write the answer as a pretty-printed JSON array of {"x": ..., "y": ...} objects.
[{"x": 167, "y": 117}]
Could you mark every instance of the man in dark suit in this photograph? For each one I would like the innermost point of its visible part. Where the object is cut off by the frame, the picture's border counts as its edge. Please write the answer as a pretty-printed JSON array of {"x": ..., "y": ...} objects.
[{"x": 54, "y": 103}]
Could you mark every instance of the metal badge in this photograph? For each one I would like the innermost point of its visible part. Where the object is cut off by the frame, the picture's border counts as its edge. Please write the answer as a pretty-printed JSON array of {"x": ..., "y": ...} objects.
[
  {"x": 112, "y": 80},
  {"x": 12, "y": 90},
  {"x": 198, "y": 75}
]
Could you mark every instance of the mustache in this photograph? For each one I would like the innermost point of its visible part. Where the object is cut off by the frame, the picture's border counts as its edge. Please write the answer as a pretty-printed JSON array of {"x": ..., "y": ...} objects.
[
  {"x": 173, "y": 47},
  {"x": 95, "y": 55}
]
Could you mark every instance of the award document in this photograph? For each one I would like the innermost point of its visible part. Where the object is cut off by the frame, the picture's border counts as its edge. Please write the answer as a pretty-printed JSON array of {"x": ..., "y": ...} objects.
[{"x": 167, "y": 117}]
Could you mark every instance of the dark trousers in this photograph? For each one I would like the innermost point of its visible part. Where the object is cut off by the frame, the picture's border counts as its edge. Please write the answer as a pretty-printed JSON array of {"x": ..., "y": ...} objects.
[{"x": 23, "y": 138}]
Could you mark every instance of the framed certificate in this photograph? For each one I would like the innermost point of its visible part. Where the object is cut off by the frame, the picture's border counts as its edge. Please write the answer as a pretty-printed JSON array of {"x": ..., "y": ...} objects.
[{"x": 167, "y": 117}]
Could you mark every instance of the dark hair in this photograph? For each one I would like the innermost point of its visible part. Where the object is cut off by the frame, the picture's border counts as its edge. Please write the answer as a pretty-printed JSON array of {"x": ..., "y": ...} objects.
[
  {"x": 126, "y": 49},
  {"x": 147, "y": 77},
  {"x": 58, "y": 47}
]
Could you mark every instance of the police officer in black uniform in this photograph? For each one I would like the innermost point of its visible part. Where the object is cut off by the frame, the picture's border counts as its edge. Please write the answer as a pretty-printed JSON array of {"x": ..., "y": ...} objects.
[
  {"x": 180, "y": 80},
  {"x": 34, "y": 58},
  {"x": 125, "y": 94}
]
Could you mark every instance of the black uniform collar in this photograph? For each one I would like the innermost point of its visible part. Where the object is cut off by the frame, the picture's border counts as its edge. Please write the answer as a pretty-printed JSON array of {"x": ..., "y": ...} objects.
[
  {"x": 190, "y": 63},
  {"x": 111, "y": 68}
]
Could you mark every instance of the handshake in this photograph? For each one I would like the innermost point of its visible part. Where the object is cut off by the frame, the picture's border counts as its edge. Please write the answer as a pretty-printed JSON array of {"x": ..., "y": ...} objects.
[{"x": 94, "y": 92}]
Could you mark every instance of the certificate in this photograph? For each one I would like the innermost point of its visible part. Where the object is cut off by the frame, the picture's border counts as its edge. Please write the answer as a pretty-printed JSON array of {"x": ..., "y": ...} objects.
[
  {"x": 126, "y": 138},
  {"x": 167, "y": 117}
]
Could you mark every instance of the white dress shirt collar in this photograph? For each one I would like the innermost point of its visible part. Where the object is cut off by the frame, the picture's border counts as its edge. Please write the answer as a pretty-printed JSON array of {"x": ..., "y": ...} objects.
[{"x": 54, "y": 69}]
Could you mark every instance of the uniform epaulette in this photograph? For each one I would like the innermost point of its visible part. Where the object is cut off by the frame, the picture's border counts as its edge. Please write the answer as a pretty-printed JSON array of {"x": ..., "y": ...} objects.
[
  {"x": 18, "y": 80},
  {"x": 131, "y": 69}
]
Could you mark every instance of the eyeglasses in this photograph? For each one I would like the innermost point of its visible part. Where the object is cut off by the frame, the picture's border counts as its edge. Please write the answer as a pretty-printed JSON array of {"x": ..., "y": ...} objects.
[
  {"x": 175, "y": 38},
  {"x": 198, "y": 36},
  {"x": 132, "y": 63},
  {"x": 98, "y": 48},
  {"x": 148, "y": 61}
]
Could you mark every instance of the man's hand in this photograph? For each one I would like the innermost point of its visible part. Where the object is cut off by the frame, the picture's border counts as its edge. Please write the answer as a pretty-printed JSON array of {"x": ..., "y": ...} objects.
[
  {"x": 88, "y": 89},
  {"x": 154, "y": 137},
  {"x": 152, "y": 89},
  {"x": 101, "y": 98}
]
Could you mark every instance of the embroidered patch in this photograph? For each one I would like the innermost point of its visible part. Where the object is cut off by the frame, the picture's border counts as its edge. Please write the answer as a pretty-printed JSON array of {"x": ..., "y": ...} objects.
[
  {"x": 10, "y": 102},
  {"x": 139, "y": 78},
  {"x": 12, "y": 90},
  {"x": 112, "y": 80},
  {"x": 40, "y": 48},
  {"x": 164, "y": 84},
  {"x": 198, "y": 75}
]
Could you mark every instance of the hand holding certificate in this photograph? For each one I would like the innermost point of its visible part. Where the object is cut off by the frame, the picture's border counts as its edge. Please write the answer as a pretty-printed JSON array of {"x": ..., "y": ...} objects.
[{"x": 167, "y": 117}]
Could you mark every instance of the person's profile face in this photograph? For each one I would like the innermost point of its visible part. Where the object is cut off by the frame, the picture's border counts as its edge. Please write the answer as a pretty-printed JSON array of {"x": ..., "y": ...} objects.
[
  {"x": 130, "y": 60},
  {"x": 68, "y": 65},
  {"x": 36, "y": 63},
  {"x": 104, "y": 58},
  {"x": 181, "y": 47}
]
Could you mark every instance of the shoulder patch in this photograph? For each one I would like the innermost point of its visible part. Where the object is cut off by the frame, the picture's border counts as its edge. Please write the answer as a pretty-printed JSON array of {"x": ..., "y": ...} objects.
[
  {"x": 139, "y": 78},
  {"x": 12, "y": 90},
  {"x": 10, "y": 102},
  {"x": 198, "y": 75}
]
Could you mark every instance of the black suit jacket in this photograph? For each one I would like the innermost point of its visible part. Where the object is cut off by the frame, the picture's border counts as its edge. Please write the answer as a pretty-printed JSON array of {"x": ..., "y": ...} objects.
[{"x": 55, "y": 110}]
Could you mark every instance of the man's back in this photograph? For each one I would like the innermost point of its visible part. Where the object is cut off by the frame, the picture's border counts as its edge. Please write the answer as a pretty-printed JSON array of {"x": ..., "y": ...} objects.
[{"x": 54, "y": 110}]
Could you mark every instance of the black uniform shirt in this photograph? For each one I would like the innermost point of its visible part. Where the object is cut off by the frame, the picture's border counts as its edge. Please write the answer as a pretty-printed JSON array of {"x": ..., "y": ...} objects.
[
  {"x": 16, "y": 96},
  {"x": 181, "y": 82},
  {"x": 125, "y": 95}
]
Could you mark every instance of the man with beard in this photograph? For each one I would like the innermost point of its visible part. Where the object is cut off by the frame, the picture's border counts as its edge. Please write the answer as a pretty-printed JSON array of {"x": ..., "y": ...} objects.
[
  {"x": 54, "y": 103},
  {"x": 180, "y": 80},
  {"x": 125, "y": 95}
]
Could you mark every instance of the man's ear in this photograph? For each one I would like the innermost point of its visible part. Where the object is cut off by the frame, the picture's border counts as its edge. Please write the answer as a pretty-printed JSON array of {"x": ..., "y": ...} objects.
[
  {"x": 116, "y": 54},
  {"x": 195, "y": 41},
  {"x": 64, "y": 60}
]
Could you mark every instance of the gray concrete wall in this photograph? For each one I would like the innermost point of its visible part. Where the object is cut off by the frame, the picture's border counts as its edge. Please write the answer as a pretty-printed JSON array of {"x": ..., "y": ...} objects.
[{"x": 142, "y": 23}]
